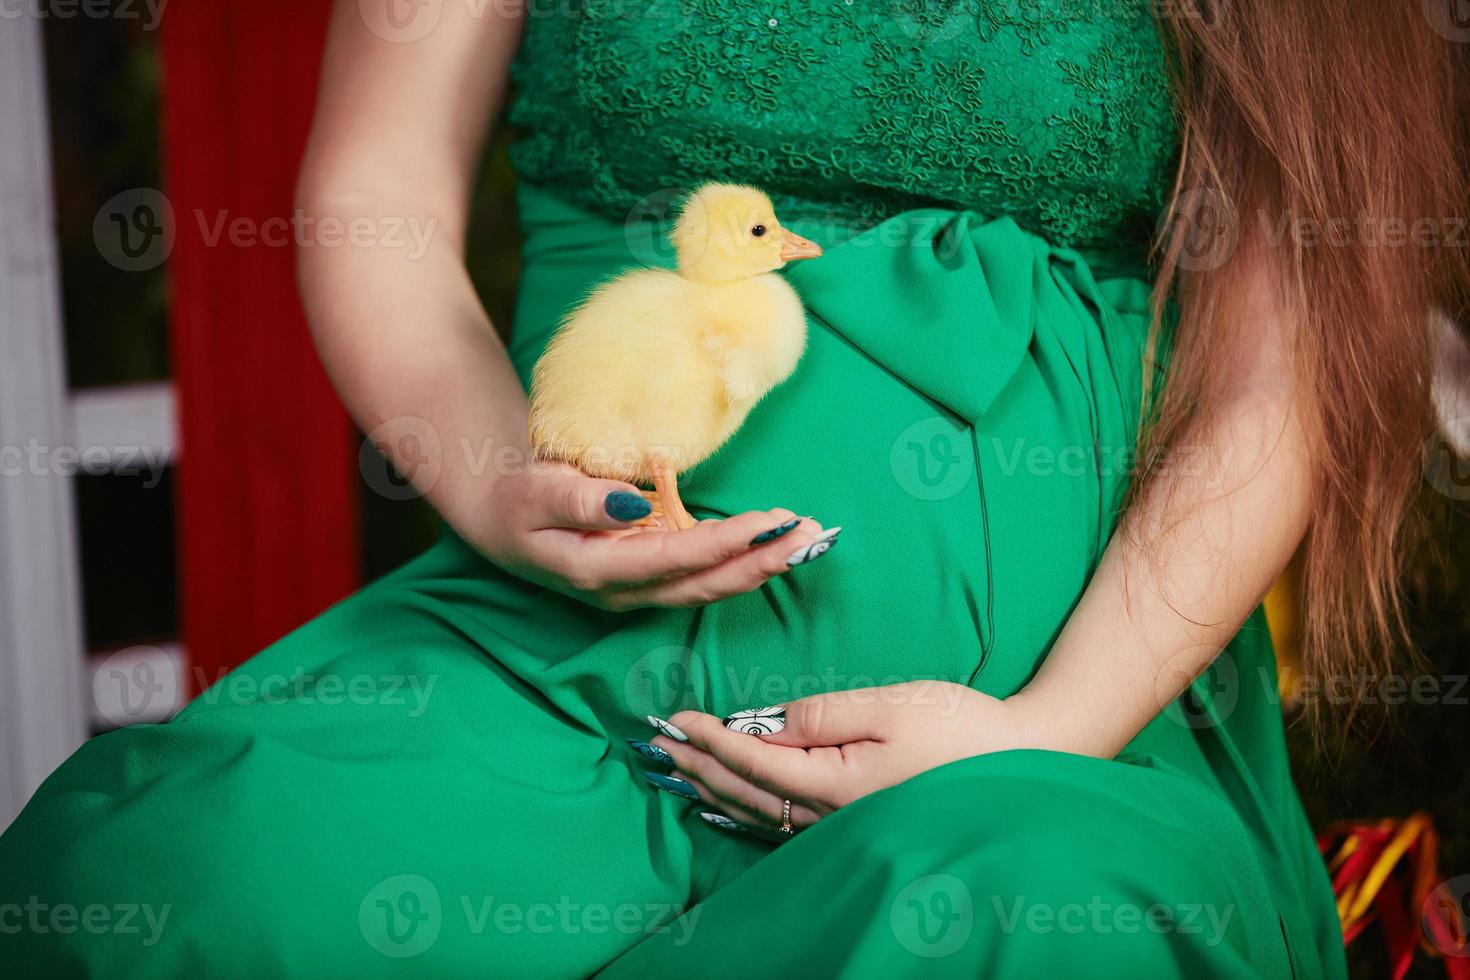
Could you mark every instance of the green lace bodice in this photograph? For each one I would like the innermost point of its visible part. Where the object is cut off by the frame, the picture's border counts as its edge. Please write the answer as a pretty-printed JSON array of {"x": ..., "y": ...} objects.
[{"x": 1055, "y": 112}]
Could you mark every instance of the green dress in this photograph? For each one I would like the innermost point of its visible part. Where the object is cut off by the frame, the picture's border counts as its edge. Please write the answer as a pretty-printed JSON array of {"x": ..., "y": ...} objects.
[{"x": 431, "y": 778}]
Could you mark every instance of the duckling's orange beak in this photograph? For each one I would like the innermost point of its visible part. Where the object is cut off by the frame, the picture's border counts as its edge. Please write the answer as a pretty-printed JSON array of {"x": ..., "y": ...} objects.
[{"x": 794, "y": 247}]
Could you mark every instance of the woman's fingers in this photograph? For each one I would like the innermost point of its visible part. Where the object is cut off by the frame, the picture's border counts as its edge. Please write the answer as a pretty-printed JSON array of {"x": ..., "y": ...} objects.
[
  {"x": 784, "y": 772},
  {"x": 748, "y": 819},
  {"x": 572, "y": 499},
  {"x": 638, "y": 559},
  {"x": 745, "y": 572},
  {"x": 718, "y": 785},
  {"x": 746, "y": 822},
  {"x": 837, "y": 718}
]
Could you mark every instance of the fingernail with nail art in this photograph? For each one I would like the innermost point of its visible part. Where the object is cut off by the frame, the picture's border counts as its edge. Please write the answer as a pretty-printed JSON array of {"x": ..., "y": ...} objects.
[
  {"x": 667, "y": 728},
  {"x": 722, "y": 821},
  {"x": 672, "y": 784},
  {"x": 652, "y": 752},
  {"x": 816, "y": 549},
  {"x": 757, "y": 721},
  {"x": 776, "y": 532}
]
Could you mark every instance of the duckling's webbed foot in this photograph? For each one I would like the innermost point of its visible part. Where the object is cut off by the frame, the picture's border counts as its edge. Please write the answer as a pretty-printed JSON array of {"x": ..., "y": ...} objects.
[
  {"x": 666, "y": 489},
  {"x": 655, "y": 519}
]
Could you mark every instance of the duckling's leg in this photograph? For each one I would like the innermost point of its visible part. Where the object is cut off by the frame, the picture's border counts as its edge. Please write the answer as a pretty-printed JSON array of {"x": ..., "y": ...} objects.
[{"x": 666, "y": 485}]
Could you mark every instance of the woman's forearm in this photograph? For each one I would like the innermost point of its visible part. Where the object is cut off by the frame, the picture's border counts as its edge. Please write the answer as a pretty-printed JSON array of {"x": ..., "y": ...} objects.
[
  {"x": 1196, "y": 554},
  {"x": 420, "y": 367},
  {"x": 394, "y": 153}
]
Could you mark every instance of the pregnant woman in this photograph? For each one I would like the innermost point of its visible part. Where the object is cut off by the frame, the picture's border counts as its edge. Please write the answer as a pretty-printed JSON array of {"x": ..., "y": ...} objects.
[{"x": 999, "y": 731}]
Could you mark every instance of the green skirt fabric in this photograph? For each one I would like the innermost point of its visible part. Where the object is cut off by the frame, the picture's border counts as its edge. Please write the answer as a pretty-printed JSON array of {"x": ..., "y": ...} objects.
[{"x": 431, "y": 778}]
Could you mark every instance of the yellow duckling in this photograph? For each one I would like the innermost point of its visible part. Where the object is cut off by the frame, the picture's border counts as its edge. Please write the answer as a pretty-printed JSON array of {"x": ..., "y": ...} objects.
[{"x": 657, "y": 369}]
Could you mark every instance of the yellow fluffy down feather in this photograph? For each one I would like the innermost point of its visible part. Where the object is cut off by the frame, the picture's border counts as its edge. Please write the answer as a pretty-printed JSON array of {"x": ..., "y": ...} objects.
[{"x": 659, "y": 368}]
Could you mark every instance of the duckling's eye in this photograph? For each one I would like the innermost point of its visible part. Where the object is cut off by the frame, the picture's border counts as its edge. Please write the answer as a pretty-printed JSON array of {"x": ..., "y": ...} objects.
[{"x": 758, "y": 230}]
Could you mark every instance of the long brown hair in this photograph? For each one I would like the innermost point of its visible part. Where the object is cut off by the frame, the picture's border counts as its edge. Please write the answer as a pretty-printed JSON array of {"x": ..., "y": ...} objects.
[{"x": 1344, "y": 117}]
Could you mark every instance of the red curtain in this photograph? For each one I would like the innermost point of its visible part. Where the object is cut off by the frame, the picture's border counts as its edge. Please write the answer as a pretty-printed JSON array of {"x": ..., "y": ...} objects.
[{"x": 267, "y": 498}]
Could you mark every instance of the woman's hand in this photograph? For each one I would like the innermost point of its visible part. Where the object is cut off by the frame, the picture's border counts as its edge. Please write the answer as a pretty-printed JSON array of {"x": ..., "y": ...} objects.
[
  {"x": 556, "y": 526},
  {"x": 826, "y": 751}
]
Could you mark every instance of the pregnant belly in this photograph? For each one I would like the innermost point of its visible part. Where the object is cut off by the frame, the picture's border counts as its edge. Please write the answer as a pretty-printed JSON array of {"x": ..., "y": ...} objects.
[{"x": 964, "y": 410}]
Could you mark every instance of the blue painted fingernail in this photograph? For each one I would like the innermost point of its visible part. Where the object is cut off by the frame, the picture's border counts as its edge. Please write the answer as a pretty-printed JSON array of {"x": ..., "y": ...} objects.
[
  {"x": 775, "y": 532},
  {"x": 624, "y": 506},
  {"x": 672, "y": 784},
  {"x": 757, "y": 721},
  {"x": 667, "y": 728},
  {"x": 723, "y": 822},
  {"x": 816, "y": 549},
  {"x": 651, "y": 752}
]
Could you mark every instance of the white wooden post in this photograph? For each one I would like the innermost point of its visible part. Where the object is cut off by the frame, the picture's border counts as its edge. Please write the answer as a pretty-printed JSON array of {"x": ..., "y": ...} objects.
[{"x": 42, "y": 717}]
